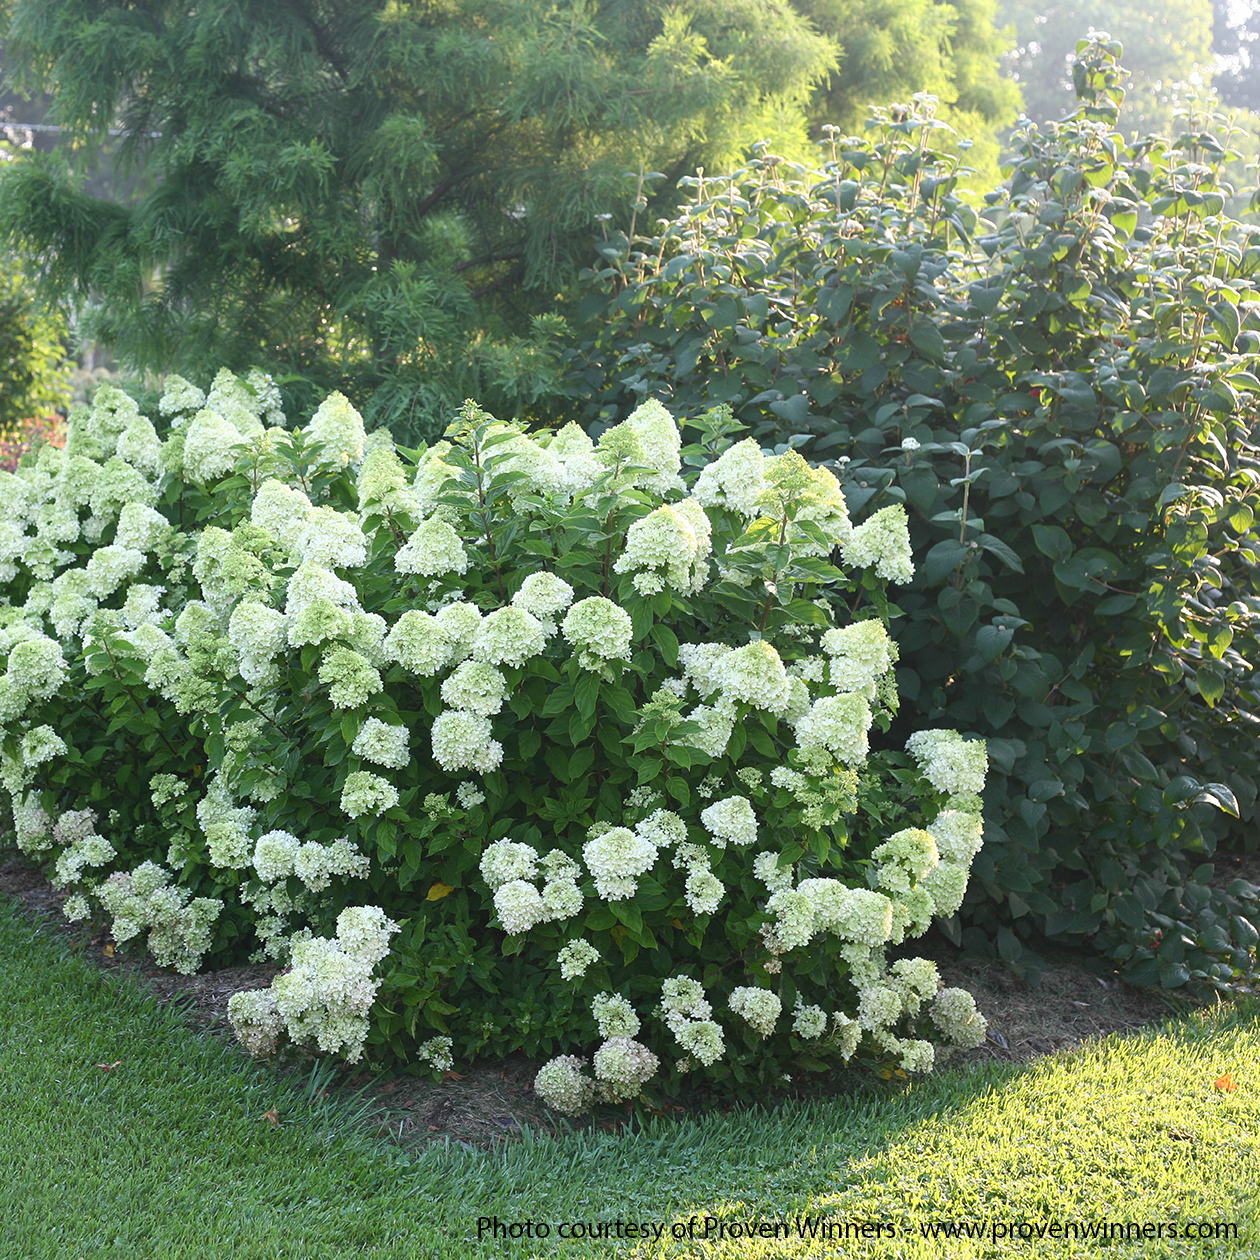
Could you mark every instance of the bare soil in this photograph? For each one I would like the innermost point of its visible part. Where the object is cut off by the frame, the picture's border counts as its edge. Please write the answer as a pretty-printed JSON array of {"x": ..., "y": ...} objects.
[{"x": 1075, "y": 1001}]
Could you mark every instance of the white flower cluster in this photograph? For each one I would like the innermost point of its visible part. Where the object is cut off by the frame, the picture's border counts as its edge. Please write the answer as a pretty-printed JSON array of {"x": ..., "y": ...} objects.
[
  {"x": 462, "y": 741},
  {"x": 433, "y": 550},
  {"x": 840, "y": 724},
  {"x": 648, "y": 438},
  {"x": 616, "y": 857},
  {"x": 954, "y": 1012},
  {"x": 599, "y": 630},
  {"x": 668, "y": 547},
  {"x": 731, "y": 821},
  {"x": 736, "y": 479},
  {"x": 759, "y": 1008},
  {"x": 576, "y": 958},
  {"x": 179, "y": 929},
  {"x": 510, "y": 869},
  {"x": 882, "y": 543},
  {"x": 544, "y": 596},
  {"x": 861, "y": 654},
  {"x": 325, "y": 995},
  {"x": 614, "y": 1015},
  {"x": 339, "y": 427},
  {"x": 382, "y": 744},
  {"x": 279, "y": 854},
  {"x": 436, "y": 1051},
  {"x": 226, "y": 827},
  {"x": 689, "y": 1016},
  {"x": 622, "y": 1067},
  {"x": 952, "y": 764},
  {"x": 366, "y": 793}
]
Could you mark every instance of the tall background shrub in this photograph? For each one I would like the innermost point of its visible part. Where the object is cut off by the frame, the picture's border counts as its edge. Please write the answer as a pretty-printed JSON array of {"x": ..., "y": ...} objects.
[{"x": 1061, "y": 387}]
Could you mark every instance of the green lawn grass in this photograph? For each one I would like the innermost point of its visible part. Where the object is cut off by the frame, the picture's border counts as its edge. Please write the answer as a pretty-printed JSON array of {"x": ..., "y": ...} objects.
[{"x": 169, "y": 1154}]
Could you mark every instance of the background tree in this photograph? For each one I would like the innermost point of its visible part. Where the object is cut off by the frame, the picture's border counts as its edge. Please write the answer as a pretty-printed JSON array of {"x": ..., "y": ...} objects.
[
  {"x": 1236, "y": 43},
  {"x": 1167, "y": 49},
  {"x": 891, "y": 49},
  {"x": 382, "y": 196}
]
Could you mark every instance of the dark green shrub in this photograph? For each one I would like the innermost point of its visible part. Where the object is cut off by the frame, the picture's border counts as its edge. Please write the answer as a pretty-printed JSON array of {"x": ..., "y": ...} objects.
[{"x": 1062, "y": 389}]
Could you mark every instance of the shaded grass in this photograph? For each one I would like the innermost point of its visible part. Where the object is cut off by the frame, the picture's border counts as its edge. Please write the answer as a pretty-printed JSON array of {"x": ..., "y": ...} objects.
[{"x": 169, "y": 1154}]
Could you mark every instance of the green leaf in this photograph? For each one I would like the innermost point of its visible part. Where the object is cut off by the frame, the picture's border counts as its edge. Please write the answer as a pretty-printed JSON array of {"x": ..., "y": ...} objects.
[{"x": 1052, "y": 541}]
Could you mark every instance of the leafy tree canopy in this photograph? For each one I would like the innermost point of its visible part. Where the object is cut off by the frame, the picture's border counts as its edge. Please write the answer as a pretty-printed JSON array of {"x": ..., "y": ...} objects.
[
  {"x": 1167, "y": 49},
  {"x": 891, "y": 49},
  {"x": 348, "y": 190}
]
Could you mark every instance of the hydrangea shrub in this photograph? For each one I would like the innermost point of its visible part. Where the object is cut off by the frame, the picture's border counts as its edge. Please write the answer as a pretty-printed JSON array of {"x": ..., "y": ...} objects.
[{"x": 523, "y": 741}]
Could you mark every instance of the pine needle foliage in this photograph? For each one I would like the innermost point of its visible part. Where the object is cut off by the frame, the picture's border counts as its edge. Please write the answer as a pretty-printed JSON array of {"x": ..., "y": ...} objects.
[{"x": 375, "y": 195}]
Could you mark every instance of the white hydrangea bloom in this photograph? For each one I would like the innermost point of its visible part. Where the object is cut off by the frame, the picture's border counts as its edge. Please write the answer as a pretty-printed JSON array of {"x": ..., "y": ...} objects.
[
  {"x": 912, "y": 851},
  {"x": 211, "y": 446},
  {"x": 623, "y": 1067},
  {"x": 868, "y": 918},
  {"x": 109, "y": 567},
  {"x": 382, "y": 744},
  {"x": 419, "y": 643},
  {"x": 437, "y": 1051},
  {"x": 477, "y": 687},
  {"x": 40, "y": 744},
  {"x": 614, "y": 1015},
  {"x": 316, "y": 864},
  {"x": 140, "y": 528},
  {"x": 703, "y": 1040},
  {"x": 382, "y": 483},
  {"x": 879, "y": 1006},
  {"x": 838, "y": 724},
  {"x": 312, "y": 581},
  {"x": 180, "y": 398},
  {"x": 954, "y": 1012},
  {"x": 258, "y": 634},
  {"x": 882, "y": 543},
  {"x": 367, "y": 793},
  {"x": 958, "y": 835},
  {"x": 767, "y": 869},
  {"x": 946, "y": 884},
  {"x": 662, "y": 828},
  {"x": 89, "y": 850},
  {"x": 326, "y": 993},
  {"x": 508, "y": 860},
  {"x": 282, "y": 511},
  {"x": 754, "y": 675},
  {"x": 226, "y": 827},
  {"x": 339, "y": 427},
  {"x": 519, "y": 906},
  {"x": 809, "y": 1022},
  {"x": 561, "y": 1085},
  {"x": 671, "y": 542},
  {"x": 461, "y": 741},
  {"x": 469, "y": 795},
  {"x": 179, "y": 929},
  {"x": 599, "y": 630},
  {"x": 275, "y": 854},
  {"x": 716, "y": 725},
  {"x": 917, "y": 979},
  {"x": 576, "y": 958},
  {"x": 350, "y": 677},
  {"x": 760, "y": 1008},
  {"x": 616, "y": 858},
  {"x": 508, "y": 636},
  {"x": 952, "y": 764},
  {"x": 731, "y": 821},
  {"x": 861, "y": 654},
  {"x": 562, "y": 899},
  {"x": 433, "y": 550},
  {"x": 703, "y": 891},
  {"x": 545, "y": 596},
  {"x": 702, "y": 665},
  {"x": 795, "y": 925},
  {"x": 332, "y": 539},
  {"x": 847, "y": 1033},
  {"x": 736, "y": 479}
]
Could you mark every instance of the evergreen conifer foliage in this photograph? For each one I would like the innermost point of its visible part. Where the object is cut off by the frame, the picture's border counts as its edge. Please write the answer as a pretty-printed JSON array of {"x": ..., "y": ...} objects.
[{"x": 347, "y": 191}]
